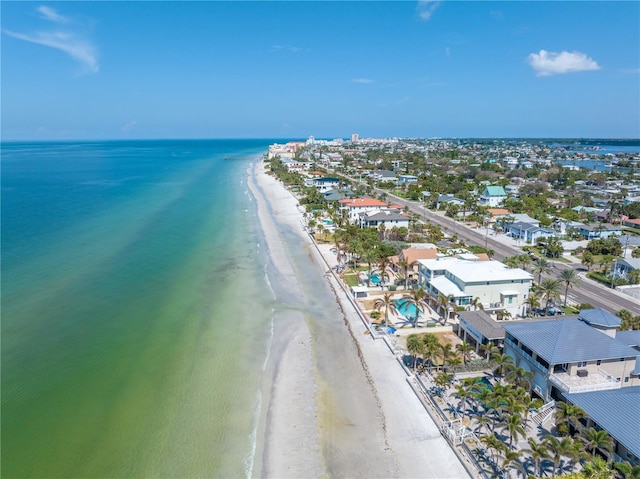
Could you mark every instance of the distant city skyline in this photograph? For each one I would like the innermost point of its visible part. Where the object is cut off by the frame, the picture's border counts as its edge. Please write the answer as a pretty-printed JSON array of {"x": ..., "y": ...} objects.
[{"x": 450, "y": 69}]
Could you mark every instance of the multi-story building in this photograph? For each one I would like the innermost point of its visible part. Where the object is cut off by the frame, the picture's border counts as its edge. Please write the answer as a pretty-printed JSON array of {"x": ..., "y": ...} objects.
[
  {"x": 573, "y": 355},
  {"x": 466, "y": 277},
  {"x": 355, "y": 206}
]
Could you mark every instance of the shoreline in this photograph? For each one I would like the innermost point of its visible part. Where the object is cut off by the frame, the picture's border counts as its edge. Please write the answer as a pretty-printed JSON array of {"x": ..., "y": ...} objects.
[{"x": 360, "y": 419}]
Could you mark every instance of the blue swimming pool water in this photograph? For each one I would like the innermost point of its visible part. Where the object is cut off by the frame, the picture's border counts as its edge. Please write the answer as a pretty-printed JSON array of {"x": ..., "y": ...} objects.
[
  {"x": 375, "y": 279},
  {"x": 406, "y": 308}
]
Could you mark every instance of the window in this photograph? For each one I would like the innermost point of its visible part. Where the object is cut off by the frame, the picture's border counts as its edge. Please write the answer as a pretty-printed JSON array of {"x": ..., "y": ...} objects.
[
  {"x": 626, "y": 380},
  {"x": 582, "y": 364}
]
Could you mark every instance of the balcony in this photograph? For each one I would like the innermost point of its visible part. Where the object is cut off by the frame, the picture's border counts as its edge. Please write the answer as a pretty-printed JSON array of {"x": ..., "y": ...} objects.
[{"x": 599, "y": 381}]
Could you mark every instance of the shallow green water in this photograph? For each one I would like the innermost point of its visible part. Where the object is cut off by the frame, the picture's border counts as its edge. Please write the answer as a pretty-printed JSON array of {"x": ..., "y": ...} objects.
[{"x": 129, "y": 348}]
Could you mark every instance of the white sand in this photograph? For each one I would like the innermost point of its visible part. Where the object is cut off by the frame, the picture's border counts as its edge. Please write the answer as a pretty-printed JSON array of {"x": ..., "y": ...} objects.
[{"x": 335, "y": 402}]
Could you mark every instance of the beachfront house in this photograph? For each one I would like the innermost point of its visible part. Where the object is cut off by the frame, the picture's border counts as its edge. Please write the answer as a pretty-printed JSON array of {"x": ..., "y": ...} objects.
[
  {"x": 410, "y": 256},
  {"x": 479, "y": 329},
  {"x": 355, "y": 206},
  {"x": 492, "y": 196},
  {"x": 573, "y": 355},
  {"x": 390, "y": 218},
  {"x": 615, "y": 411},
  {"x": 323, "y": 184},
  {"x": 466, "y": 277}
]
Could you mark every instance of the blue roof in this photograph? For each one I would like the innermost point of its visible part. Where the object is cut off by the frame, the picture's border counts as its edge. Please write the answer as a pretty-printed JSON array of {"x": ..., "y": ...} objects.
[
  {"x": 568, "y": 340},
  {"x": 599, "y": 317},
  {"x": 630, "y": 338},
  {"x": 616, "y": 411}
]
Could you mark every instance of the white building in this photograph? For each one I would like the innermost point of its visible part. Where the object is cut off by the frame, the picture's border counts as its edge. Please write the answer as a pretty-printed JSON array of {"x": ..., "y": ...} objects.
[
  {"x": 390, "y": 218},
  {"x": 466, "y": 277},
  {"x": 356, "y": 206}
]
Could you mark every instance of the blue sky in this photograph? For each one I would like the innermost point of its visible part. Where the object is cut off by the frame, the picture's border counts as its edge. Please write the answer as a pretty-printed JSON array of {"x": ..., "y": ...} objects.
[{"x": 111, "y": 70}]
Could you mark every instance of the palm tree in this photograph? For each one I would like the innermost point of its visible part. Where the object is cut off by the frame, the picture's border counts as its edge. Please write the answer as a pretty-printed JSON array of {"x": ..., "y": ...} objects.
[
  {"x": 476, "y": 303},
  {"x": 597, "y": 439},
  {"x": 511, "y": 459},
  {"x": 444, "y": 303},
  {"x": 415, "y": 346},
  {"x": 575, "y": 453},
  {"x": 532, "y": 302},
  {"x": 520, "y": 377},
  {"x": 524, "y": 260},
  {"x": 405, "y": 268},
  {"x": 549, "y": 290},
  {"x": 431, "y": 347},
  {"x": 597, "y": 468},
  {"x": 489, "y": 350},
  {"x": 502, "y": 361},
  {"x": 446, "y": 353},
  {"x": 541, "y": 266},
  {"x": 388, "y": 304},
  {"x": 570, "y": 278},
  {"x": 559, "y": 448},
  {"x": 568, "y": 414},
  {"x": 465, "y": 350},
  {"x": 539, "y": 453},
  {"x": 418, "y": 297},
  {"x": 513, "y": 424},
  {"x": 383, "y": 269}
]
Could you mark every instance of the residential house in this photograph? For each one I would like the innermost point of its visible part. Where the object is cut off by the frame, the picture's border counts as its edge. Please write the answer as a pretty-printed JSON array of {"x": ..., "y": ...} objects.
[
  {"x": 411, "y": 256},
  {"x": 492, "y": 196},
  {"x": 478, "y": 329},
  {"x": 571, "y": 355},
  {"x": 385, "y": 176},
  {"x": 528, "y": 232},
  {"x": 617, "y": 411},
  {"x": 467, "y": 277},
  {"x": 323, "y": 184},
  {"x": 355, "y": 206},
  {"x": 444, "y": 200},
  {"x": 407, "y": 179},
  {"x": 634, "y": 223},
  {"x": 599, "y": 230},
  {"x": 623, "y": 266},
  {"x": 390, "y": 218}
]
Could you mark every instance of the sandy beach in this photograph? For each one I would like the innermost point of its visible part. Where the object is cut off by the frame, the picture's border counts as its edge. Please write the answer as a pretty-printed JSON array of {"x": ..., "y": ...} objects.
[{"x": 335, "y": 402}]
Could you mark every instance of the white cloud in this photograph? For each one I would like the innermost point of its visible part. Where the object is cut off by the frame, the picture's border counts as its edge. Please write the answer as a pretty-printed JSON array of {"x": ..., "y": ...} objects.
[
  {"x": 69, "y": 42},
  {"x": 129, "y": 126},
  {"x": 552, "y": 63},
  {"x": 288, "y": 48},
  {"x": 427, "y": 7},
  {"x": 362, "y": 80},
  {"x": 49, "y": 13},
  {"x": 80, "y": 50}
]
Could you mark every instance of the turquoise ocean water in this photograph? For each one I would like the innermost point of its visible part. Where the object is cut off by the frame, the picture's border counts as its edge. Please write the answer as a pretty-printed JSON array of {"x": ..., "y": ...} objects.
[{"x": 135, "y": 309}]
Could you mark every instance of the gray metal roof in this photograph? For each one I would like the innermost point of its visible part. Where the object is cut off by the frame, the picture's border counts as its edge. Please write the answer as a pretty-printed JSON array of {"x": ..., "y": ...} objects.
[
  {"x": 568, "y": 340},
  {"x": 617, "y": 411},
  {"x": 599, "y": 317},
  {"x": 480, "y": 320}
]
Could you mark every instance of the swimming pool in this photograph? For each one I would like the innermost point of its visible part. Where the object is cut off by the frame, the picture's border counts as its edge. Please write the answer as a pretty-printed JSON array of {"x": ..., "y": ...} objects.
[
  {"x": 406, "y": 308},
  {"x": 375, "y": 279}
]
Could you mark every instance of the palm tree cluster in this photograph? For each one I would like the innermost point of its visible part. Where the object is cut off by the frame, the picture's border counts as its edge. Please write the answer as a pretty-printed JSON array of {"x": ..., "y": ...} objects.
[
  {"x": 629, "y": 321},
  {"x": 549, "y": 290}
]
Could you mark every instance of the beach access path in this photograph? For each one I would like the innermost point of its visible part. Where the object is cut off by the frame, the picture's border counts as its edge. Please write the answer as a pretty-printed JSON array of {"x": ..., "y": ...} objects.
[{"x": 336, "y": 403}]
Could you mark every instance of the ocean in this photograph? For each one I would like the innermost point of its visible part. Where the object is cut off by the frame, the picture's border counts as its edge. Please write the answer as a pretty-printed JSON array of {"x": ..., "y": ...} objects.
[{"x": 136, "y": 309}]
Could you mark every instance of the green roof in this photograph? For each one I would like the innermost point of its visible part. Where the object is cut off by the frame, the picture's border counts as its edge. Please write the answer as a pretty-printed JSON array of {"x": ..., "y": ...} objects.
[{"x": 495, "y": 191}]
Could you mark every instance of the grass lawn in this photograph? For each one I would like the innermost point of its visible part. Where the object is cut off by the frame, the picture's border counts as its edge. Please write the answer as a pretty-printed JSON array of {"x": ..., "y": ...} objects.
[{"x": 351, "y": 279}]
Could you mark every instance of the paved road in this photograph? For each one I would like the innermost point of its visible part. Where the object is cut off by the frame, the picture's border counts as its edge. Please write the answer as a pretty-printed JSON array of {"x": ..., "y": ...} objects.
[{"x": 587, "y": 291}]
